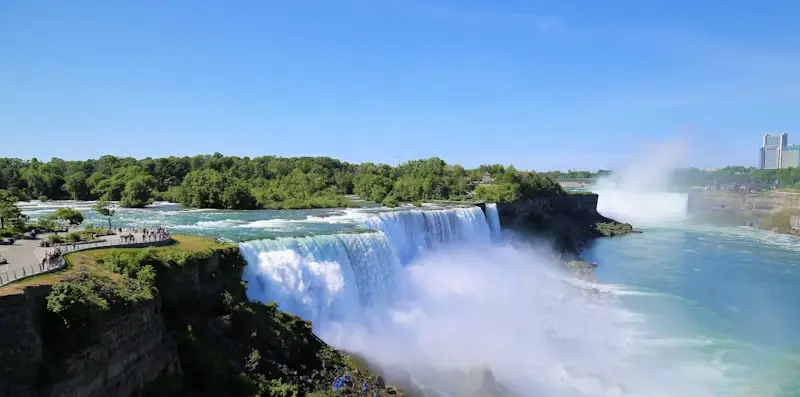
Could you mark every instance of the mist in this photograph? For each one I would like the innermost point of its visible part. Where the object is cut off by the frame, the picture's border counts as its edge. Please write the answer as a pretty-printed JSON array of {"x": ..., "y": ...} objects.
[
  {"x": 511, "y": 310},
  {"x": 642, "y": 192}
]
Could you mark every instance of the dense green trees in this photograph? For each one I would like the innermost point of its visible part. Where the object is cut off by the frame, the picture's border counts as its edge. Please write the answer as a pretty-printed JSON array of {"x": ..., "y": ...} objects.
[{"x": 217, "y": 181}]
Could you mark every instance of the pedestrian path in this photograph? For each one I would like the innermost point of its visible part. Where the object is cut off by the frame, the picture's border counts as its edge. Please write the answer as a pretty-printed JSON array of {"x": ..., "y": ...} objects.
[{"x": 27, "y": 258}]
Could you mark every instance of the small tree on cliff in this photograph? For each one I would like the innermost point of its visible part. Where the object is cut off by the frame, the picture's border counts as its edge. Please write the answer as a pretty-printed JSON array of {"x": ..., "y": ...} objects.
[{"x": 104, "y": 208}]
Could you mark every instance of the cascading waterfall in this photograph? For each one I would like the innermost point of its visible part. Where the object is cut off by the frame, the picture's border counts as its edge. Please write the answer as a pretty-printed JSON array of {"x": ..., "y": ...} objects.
[
  {"x": 428, "y": 294},
  {"x": 341, "y": 277},
  {"x": 494, "y": 221}
]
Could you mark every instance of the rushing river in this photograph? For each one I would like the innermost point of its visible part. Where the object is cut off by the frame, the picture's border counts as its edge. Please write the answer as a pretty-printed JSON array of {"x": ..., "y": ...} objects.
[{"x": 679, "y": 310}]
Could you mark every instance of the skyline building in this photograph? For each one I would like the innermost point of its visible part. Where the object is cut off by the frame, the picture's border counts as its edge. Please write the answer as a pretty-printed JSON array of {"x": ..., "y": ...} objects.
[{"x": 772, "y": 150}]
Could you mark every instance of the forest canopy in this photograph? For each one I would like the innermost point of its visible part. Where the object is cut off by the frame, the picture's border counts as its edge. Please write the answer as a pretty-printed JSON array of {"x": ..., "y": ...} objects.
[{"x": 226, "y": 182}]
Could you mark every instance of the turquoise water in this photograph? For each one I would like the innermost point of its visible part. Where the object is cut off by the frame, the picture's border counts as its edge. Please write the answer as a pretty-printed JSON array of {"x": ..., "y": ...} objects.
[
  {"x": 232, "y": 225},
  {"x": 734, "y": 292},
  {"x": 694, "y": 310}
]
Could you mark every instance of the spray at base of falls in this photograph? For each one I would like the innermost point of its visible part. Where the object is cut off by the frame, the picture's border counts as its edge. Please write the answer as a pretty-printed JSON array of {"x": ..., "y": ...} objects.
[{"x": 431, "y": 293}]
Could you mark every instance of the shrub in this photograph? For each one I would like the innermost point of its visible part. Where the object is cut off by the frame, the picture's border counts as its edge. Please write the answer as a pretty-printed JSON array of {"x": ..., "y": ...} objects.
[
  {"x": 74, "y": 237},
  {"x": 43, "y": 198},
  {"x": 55, "y": 239},
  {"x": 391, "y": 202}
]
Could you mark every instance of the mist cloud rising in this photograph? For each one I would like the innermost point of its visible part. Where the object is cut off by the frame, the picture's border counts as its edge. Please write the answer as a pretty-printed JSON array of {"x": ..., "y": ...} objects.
[
  {"x": 640, "y": 192},
  {"x": 540, "y": 331}
]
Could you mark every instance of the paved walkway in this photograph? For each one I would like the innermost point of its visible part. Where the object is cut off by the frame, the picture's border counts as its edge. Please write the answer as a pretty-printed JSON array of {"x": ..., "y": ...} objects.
[{"x": 25, "y": 256}]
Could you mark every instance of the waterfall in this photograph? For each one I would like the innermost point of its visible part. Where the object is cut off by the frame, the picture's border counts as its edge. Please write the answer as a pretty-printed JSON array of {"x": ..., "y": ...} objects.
[
  {"x": 341, "y": 277},
  {"x": 494, "y": 220}
]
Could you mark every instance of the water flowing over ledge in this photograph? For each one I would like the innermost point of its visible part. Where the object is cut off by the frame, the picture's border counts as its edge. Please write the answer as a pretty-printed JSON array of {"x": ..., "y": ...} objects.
[{"x": 340, "y": 277}]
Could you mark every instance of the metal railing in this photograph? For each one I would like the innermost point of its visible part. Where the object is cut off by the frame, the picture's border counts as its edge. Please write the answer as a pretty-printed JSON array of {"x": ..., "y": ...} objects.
[{"x": 23, "y": 272}]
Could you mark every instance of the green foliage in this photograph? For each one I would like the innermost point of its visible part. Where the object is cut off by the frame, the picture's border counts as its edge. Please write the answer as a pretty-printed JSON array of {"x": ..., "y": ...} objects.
[
  {"x": 138, "y": 192},
  {"x": 146, "y": 275},
  {"x": 81, "y": 300},
  {"x": 10, "y": 215},
  {"x": 390, "y": 202},
  {"x": 45, "y": 224},
  {"x": 76, "y": 186},
  {"x": 688, "y": 177},
  {"x": 73, "y": 216},
  {"x": 73, "y": 237},
  {"x": 216, "y": 181},
  {"x": 502, "y": 193},
  {"x": 76, "y": 303},
  {"x": 55, "y": 239},
  {"x": 613, "y": 228}
]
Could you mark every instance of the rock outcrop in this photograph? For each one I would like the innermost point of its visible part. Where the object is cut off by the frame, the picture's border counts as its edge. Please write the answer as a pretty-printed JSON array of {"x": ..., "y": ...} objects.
[{"x": 569, "y": 222}]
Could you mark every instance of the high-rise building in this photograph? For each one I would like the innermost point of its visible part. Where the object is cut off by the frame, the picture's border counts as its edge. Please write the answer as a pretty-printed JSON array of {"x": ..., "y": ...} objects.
[
  {"x": 771, "y": 151},
  {"x": 790, "y": 156}
]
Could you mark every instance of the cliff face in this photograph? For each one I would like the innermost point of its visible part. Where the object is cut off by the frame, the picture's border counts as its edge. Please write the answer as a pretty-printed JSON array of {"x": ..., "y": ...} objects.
[
  {"x": 131, "y": 347},
  {"x": 20, "y": 342},
  {"x": 128, "y": 350},
  {"x": 569, "y": 222},
  {"x": 768, "y": 210}
]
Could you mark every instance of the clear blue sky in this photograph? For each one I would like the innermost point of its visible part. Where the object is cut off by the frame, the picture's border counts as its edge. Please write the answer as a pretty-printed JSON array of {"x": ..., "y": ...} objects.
[{"x": 540, "y": 84}]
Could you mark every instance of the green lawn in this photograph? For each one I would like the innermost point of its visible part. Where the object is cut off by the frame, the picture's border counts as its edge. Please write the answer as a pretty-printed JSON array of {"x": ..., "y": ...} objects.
[{"x": 89, "y": 258}]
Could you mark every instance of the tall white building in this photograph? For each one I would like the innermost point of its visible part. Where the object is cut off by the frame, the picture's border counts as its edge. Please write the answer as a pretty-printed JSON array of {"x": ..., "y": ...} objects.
[{"x": 771, "y": 152}]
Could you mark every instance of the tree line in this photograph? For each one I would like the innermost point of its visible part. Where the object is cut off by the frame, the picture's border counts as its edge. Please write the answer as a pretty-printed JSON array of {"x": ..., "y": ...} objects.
[
  {"x": 268, "y": 182},
  {"x": 785, "y": 177}
]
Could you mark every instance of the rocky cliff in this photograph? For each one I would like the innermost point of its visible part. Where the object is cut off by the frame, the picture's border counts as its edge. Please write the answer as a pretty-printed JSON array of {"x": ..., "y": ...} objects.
[
  {"x": 569, "y": 222},
  {"x": 768, "y": 210}
]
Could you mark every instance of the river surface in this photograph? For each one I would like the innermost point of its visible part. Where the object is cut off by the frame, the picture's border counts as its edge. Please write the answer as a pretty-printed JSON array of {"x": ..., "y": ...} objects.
[{"x": 679, "y": 310}]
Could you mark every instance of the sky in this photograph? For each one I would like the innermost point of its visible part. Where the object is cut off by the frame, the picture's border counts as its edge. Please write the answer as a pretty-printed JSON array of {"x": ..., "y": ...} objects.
[{"x": 542, "y": 85}]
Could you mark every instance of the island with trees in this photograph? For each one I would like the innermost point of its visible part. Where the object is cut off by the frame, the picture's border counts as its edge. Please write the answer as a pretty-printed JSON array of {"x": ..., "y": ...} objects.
[{"x": 269, "y": 182}]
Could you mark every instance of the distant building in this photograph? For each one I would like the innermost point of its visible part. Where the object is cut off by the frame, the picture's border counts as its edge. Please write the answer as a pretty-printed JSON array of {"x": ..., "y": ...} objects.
[
  {"x": 772, "y": 150},
  {"x": 790, "y": 156}
]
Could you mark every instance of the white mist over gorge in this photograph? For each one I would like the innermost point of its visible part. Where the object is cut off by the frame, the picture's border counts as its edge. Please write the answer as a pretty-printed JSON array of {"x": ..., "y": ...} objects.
[
  {"x": 639, "y": 193},
  {"x": 433, "y": 291}
]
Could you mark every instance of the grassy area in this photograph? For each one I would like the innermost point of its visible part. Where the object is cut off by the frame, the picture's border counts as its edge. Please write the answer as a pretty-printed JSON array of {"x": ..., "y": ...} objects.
[{"x": 185, "y": 247}]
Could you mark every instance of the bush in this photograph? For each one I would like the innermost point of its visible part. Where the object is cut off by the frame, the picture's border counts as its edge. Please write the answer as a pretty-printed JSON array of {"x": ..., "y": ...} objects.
[
  {"x": 55, "y": 239},
  {"x": 73, "y": 237},
  {"x": 502, "y": 193},
  {"x": 43, "y": 198},
  {"x": 73, "y": 216},
  {"x": 46, "y": 224},
  {"x": 391, "y": 202},
  {"x": 613, "y": 228}
]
